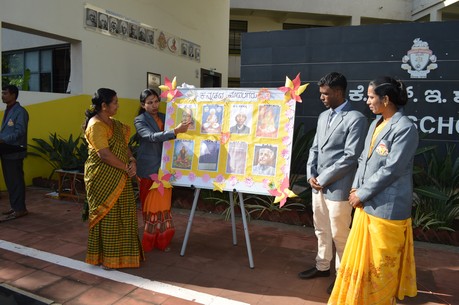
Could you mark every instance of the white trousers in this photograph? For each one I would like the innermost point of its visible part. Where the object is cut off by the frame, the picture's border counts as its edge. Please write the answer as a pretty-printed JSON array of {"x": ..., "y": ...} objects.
[{"x": 331, "y": 223}]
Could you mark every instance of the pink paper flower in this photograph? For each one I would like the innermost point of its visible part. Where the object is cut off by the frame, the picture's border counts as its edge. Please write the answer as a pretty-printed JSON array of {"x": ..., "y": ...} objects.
[
  {"x": 285, "y": 153},
  {"x": 191, "y": 176},
  {"x": 166, "y": 158},
  {"x": 167, "y": 145},
  {"x": 233, "y": 180},
  {"x": 286, "y": 140},
  {"x": 282, "y": 193},
  {"x": 248, "y": 181},
  {"x": 293, "y": 89},
  {"x": 169, "y": 89},
  {"x": 219, "y": 179},
  {"x": 205, "y": 178}
]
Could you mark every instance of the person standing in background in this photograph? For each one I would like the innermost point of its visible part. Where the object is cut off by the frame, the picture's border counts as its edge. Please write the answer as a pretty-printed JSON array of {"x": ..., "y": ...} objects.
[
  {"x": 156, "y": 207},
  {"x": 378, "y": 261},
  {"x": 330, "y": 168},
  {"x": 113, "y": 240},
  {"x": 14, "y": 132}
]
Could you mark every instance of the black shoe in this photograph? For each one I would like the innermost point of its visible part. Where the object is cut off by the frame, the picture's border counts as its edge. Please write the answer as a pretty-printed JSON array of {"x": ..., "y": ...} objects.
[
  {"x": 330, "y": 288},
  {"x": 312, "y": 273}
]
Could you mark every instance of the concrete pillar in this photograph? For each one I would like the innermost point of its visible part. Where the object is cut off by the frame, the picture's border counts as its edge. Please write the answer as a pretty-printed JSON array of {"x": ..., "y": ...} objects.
[
  {"x": 436, "y": 15},
  {"x": 355, "y": 20}
]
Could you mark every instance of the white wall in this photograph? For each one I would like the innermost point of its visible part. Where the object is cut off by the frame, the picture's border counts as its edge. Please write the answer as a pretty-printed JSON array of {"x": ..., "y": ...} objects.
[
  {"x": 387, "y": 9},
  {"x": 100, "y": 60}
]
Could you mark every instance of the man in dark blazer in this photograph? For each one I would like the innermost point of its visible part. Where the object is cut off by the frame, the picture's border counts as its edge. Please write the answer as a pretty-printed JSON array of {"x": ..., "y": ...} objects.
[
  {"x": 331, "y": 167},
  {"x": 14, "y": 132}
]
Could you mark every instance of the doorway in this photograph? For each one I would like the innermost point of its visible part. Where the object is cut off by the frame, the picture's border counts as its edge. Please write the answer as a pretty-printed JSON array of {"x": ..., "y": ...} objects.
[{"x": 210, "y": 79}]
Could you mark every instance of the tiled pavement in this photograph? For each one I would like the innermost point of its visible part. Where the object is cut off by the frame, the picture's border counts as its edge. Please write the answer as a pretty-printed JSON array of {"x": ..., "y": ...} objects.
[{"x": 212, "y": 271}]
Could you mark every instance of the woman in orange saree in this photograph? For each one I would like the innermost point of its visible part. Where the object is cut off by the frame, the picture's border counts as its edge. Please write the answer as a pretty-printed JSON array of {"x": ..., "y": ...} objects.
[
  {"x": 113, "y": 240},
  {"x": 156, "y": 207}
]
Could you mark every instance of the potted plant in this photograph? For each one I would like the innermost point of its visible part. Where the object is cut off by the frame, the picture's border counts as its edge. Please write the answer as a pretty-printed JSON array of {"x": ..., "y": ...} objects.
[{"x": 61, "y": 153}]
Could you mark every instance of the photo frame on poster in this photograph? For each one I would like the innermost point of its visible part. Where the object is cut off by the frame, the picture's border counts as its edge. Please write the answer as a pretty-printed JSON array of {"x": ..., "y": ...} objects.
[
  {"x": 153, "y": 80},
  {"x": 232, "y": 145}
]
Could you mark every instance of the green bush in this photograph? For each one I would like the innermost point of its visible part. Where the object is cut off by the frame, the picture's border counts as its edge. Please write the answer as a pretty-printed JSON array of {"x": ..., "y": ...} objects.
[
  {"x": 61, "y": 153},
  {"x": 436, "y": 203}
]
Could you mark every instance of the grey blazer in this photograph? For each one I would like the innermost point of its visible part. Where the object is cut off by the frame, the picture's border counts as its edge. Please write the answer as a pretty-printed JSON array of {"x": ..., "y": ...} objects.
[
  {"x": 14, "y": 130},
  {"x": 151, "y": 144},
  {"x": 334, "y": 153},
  {"x": 384, "y": 181}
]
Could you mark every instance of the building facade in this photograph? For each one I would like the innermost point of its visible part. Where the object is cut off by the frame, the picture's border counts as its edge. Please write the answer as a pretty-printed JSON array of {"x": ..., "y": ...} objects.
[
  {"x": 64, "y": 50},
  {"x": 261, "y": 16}
]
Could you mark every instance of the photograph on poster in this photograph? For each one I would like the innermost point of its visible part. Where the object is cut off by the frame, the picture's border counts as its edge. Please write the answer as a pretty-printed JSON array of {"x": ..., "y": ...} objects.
[
  {"x": 241, "y": 118},
  {"x": 183, "y": 154},
  {"x": 212, "y": 119},
  {"x": 91, "y": 17},
  {"x": 208, "y": 155},
  {"x": 103, "y": 21},
  {"x": 186, "y": 114},
  {"x": 237, "y": 158},
  {"x": 268, "y": 121},
  {"x": 264, "y": 160},
  {"x": 114, "y": 26}
]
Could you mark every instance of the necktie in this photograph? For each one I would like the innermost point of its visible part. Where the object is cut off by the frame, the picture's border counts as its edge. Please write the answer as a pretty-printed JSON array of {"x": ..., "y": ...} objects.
[{"x": 330, "y": 118}]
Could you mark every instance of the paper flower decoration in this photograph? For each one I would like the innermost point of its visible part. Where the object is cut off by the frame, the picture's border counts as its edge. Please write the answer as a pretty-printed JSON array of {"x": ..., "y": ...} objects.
[
  {"x": 219, "y": 186},
  {"x": 293, "y": 89},
  {"x": 169, "y": 89},
  {"x": 282, "y": 193},
  {"x": 161, "y": 183}
]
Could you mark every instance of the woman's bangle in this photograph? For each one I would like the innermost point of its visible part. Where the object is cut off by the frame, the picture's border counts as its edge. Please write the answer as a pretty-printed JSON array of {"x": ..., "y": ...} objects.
[{"x": 132, "y": 159}]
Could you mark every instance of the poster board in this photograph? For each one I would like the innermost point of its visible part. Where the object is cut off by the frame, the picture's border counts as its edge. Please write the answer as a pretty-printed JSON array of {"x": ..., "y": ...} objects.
[{"x": 217, "y": 153}]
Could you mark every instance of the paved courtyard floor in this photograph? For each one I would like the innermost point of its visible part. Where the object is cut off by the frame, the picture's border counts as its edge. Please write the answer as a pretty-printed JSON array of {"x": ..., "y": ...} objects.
[{"x": 43, "y": 254}]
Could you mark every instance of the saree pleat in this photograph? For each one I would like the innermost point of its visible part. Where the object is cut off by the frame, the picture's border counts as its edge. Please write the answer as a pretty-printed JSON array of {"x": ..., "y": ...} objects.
[
  {"x": 378, "y": 263},
  {"x": 156, "y": 209},
  {"x": 113, "y": 228}
]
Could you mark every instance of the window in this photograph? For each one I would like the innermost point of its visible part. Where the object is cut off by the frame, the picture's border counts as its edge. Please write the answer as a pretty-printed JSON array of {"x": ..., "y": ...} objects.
[
  {"x": 44, "y": 69},
  {"x": 237, "y": 27}
]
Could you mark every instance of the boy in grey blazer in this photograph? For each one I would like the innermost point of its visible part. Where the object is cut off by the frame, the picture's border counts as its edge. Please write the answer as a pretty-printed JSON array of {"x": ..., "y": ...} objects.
[
  {"x": 14, "y": 132},
  {"x": 331, "y": 167}
]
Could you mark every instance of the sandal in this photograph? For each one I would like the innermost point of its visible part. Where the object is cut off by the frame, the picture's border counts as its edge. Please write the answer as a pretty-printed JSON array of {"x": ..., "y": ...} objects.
[
  {"x": 14, "y": 215},
  {"x": 8, "y": 212}
]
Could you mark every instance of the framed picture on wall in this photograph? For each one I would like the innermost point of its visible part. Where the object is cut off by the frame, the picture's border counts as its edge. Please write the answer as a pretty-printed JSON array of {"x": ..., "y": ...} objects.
[{"x": 153, "y": 80}]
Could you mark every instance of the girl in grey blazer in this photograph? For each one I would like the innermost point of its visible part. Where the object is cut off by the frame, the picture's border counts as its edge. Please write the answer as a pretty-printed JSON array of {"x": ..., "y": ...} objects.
[
  {"x": 378, "y": 260},
  {"x": 159, "y": 228}
]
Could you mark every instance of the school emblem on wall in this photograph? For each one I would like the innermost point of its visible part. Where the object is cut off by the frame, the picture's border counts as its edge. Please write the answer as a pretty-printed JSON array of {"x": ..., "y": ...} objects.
[{"x": 420, "y": 60}]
